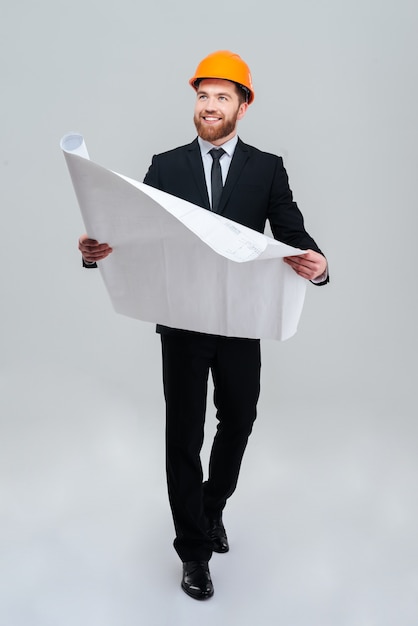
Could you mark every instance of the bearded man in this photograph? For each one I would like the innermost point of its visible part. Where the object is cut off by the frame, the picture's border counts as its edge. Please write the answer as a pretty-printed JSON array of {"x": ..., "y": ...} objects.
[{"x": 218, "y": 172}]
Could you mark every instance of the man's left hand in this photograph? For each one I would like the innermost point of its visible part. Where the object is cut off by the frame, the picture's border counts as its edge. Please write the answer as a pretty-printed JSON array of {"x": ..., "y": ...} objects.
[{"x": 310, "y": 265}]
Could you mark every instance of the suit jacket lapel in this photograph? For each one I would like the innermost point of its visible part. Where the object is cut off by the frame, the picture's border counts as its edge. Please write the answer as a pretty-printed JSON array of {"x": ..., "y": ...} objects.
[
  {"x": 241, "y": 155},
  {"x": 196, "y": 165}
]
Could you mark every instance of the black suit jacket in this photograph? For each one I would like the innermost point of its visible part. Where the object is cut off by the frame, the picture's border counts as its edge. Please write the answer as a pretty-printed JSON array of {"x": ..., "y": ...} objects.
[{"x": 256, "y": 190}]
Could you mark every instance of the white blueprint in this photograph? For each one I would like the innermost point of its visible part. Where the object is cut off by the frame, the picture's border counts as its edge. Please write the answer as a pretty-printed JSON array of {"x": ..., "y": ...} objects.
[{"x": 179, "y": 265}]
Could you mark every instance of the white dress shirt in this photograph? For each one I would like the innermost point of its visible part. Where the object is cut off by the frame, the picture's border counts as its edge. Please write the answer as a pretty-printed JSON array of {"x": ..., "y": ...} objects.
[{"x": 225, "y": 160}]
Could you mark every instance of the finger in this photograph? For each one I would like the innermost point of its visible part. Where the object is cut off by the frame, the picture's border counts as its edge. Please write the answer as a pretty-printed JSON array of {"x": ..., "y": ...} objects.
[
  {"x": 300, "y": 268},
  {"x": 98, "y": 255},
  {"x": 298, "y": 262},
  {"x": 100, "y": 247},
  {"x": 94, "y": 247}
]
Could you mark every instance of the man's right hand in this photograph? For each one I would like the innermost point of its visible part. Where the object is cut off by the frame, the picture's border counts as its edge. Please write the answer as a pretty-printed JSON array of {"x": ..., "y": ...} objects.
[{"x": 92, "y": 250}]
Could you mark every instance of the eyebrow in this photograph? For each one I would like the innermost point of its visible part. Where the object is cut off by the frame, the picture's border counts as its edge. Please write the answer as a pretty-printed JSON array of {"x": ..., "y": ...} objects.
[{"x": 219, "y": 93}]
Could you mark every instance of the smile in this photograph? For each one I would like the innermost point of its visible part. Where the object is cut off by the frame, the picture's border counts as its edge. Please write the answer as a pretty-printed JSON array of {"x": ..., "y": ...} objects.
[{"x": 210, "y": 119}]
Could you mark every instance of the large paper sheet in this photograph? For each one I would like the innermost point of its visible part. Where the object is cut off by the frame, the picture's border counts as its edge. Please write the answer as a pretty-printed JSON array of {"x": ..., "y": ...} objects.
[{"x": 180, "y": 265}]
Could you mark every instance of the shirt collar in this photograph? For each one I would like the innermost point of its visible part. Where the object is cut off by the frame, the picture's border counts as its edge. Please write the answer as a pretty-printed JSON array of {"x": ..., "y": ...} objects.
[{"x": 228, "y": 146}]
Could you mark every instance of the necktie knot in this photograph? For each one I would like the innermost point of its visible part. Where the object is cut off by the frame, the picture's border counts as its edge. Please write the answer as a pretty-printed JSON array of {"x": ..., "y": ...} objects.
[
  {"x": 216, "y": 177},
  {"x": 216, "y": 153}
]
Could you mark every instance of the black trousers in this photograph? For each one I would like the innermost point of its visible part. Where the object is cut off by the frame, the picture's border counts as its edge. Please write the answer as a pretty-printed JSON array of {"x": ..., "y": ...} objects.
[{"x": 235, "y": 365}]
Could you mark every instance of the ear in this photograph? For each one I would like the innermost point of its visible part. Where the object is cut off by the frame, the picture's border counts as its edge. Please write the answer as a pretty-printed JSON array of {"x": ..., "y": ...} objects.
[{"x": 242, "y": 110}]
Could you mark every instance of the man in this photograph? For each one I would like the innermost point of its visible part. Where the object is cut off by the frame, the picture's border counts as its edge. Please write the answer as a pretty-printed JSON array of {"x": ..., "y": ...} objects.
[{"x": 219, "y": 172}]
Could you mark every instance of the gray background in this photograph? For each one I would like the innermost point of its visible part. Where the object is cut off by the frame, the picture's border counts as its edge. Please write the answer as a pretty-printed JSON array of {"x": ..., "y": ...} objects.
[{"x": 323, "y": 525}]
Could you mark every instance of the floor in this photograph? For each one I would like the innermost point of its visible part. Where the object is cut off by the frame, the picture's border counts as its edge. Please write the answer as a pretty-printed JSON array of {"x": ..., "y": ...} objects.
[{"x": 323, "y": 526}]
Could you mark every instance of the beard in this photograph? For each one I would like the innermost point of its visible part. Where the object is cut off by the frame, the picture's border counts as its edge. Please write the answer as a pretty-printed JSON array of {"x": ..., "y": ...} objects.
[{"x": 214, "y": 133}]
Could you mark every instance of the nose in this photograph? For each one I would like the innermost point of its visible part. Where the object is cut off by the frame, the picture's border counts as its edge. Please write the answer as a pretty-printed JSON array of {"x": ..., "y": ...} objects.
[{"x": 211, "y": 104}]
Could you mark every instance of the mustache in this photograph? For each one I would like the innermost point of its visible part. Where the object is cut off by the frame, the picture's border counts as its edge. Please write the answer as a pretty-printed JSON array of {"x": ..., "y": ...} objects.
[{"x": 211, "y": 114}]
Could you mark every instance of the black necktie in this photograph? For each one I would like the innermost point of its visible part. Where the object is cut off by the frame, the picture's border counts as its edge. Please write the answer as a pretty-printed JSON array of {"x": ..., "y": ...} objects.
[{"x": 216, "y": 177}]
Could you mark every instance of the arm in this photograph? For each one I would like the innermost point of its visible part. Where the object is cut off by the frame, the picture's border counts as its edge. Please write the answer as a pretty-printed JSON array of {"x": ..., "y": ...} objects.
[{"x": 288, "y": 226}]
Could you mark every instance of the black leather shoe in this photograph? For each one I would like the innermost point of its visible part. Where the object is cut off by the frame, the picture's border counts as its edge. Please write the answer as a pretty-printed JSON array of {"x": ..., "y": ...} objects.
[
  {"x": 196, "y": 581},
  {"x": 217, "y": 533}
]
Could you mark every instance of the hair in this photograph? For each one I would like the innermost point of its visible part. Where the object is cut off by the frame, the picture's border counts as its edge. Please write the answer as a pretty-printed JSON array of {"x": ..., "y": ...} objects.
[{"x": 243, "y": 93}]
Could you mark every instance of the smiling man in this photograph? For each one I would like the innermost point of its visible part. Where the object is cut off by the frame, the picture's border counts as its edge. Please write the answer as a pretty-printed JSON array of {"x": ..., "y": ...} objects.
[
  {"x": 217, "y": 111},
  {"x": 219, "y": 172}
]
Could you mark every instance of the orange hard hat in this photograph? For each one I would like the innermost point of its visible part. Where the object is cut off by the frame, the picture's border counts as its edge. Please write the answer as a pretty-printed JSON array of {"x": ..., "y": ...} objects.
[{"x": 228, "y": 66}]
